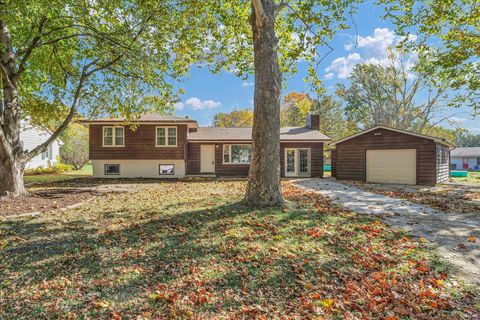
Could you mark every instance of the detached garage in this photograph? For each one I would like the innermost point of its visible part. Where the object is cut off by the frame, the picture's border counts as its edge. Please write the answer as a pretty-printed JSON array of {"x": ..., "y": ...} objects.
[{"x": 386, "y": 155}]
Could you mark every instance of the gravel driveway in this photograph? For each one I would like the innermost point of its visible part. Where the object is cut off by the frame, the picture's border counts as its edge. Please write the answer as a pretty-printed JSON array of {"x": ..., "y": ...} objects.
[{"x": 448, "y": 232}]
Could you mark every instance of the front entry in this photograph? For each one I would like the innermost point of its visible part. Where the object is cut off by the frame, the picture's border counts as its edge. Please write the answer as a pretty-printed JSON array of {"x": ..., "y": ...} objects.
[
  {"x": 207, "y": 158},
  {"x": 297, "y": 162}
]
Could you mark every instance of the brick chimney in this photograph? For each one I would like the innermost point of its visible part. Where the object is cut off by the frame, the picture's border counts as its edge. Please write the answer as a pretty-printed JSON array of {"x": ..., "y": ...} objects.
[{"x": 313, "y": 121}]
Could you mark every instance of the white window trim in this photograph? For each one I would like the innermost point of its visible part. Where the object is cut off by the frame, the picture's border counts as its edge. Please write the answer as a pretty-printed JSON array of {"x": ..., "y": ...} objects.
[
  {"x": 166, "y": 137},
  {"x": 166, "y": 174},
  {"x": 114, "y": 135},
  {"x": 230, "y": 153}
]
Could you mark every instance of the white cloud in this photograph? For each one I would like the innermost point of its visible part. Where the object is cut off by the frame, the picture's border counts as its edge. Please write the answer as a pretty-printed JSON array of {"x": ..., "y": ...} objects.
[
  {"x": 372, "y": 49},
  {"x": 343, "y": 66},
  {"x": 198, "y": 104},
  {"x": 179, "y": 106},
  {"x": 247, "y": 84}
]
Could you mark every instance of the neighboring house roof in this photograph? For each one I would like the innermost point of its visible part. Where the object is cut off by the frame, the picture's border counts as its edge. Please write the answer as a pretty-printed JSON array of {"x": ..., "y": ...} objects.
[
  {"x": 147, "y": 117},
  {"x": 465, "y": 152},
  {"x": 245, "y": 134},
  {"x": 436, "y": 139}
]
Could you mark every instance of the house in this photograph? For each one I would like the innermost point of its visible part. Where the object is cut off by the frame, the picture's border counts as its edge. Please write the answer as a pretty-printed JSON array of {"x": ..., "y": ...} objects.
[
  {"x": 388, "y": 155},
  {"x": 173, "y": 147},
  {"x": 32, "y": 136},
  {"x": 465, "y": 159}
]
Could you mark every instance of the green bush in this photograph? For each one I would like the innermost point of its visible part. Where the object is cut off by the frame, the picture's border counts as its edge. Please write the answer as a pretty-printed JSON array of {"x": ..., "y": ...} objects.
[{"x": 58, "y": 168}]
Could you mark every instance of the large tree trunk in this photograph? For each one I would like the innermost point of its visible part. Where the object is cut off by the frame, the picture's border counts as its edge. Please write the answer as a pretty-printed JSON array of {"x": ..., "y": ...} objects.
[
  {"x": 11, "y": 179},
  {"x": 12, "y": 160},
  {"x": 264, "y": 187}
]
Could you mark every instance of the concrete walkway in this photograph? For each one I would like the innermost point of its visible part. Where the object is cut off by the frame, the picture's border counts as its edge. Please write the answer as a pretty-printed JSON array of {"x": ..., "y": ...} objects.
[{"x": 447, "y": 231}]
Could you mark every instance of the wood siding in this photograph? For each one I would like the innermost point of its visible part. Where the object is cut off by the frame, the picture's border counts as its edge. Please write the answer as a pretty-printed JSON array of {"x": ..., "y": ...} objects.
[
  {"x": 139, "y": 144},
  {"x": 351, "y": 154},
  {"x": 442, "y": 170},
  {"x": 241, "y": 170}
]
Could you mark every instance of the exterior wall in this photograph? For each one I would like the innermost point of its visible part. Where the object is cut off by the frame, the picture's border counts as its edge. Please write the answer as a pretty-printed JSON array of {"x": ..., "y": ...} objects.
[
  {"x": 31, "y": 137},
  {"x": 138, "y": 168},
  {"x": 351, "y": 154},
  {"x": 241, "y": 170},
  {"x": 472, "y": 163},
  {"x": 442, "y": 170},
  {"x": 139, "y": 144}
]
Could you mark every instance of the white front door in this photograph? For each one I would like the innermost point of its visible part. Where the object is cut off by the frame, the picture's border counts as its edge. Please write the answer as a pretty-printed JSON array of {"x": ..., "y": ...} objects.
[
  {"x": 207, "y": 158},
  {"x": 297, "y": 162}
]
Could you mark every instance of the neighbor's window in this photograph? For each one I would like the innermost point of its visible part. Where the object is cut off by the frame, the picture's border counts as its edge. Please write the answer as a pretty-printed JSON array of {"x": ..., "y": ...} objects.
[
  {"x": 48, "y": 153},
  {"x": 478, "y": 161},
  {"x": 166, "y": 136},
  {"x": 112, "y": 169},
  {"x": 166, "y": 169},
  {"x": 237, "y": 153},
  {"x": 113, "y": 136}
]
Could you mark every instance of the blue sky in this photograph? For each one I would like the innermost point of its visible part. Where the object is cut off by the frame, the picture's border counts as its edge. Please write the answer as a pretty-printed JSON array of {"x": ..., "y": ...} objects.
[{"x": 207, "y": 94}]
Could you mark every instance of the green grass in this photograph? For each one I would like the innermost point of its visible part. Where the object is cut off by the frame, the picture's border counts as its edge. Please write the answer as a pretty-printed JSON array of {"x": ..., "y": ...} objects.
[
  {"x": 178, "y": 250},
  {"x": 47, "y": 178},
  {"x": 472, "y": 177}
]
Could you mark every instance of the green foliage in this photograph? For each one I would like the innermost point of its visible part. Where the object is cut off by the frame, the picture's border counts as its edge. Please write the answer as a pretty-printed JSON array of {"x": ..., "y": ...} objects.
[
  {"x": 57, "y": 168},
  {"x": 392, "y": 96},
  {"x": 465, "y": 138},
  {"x": 74, "y": 150},
  {"x": 448, "y": 41},
  {"x": 236, "y": 118},
  {"x": 295, "y": 109}
]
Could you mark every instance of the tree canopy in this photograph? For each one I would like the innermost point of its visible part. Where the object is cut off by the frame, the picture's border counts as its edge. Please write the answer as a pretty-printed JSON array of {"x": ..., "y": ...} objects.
[{"x": 235, "y": 118}]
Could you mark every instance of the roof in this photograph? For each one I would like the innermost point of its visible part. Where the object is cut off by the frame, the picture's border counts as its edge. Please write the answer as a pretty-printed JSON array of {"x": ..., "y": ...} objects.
[
  {"x": 436, "y": 139},
  {"x": 147, "y": 117},
  {"x": 465, "y": 152},
  {"x": 245, "y": 134}
]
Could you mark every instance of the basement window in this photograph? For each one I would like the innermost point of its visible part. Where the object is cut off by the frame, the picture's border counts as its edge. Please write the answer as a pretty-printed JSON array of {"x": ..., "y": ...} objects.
[
  {"x": 166, "y": 169},
  {"x": 112, "y": 169}
]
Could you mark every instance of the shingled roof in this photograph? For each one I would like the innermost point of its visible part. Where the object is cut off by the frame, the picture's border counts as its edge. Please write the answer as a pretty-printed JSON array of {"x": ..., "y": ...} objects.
[
  {"x": 465, "y": 152},
  {"x": 245, "y": 134},
  {"x": 147, "y": 117}
]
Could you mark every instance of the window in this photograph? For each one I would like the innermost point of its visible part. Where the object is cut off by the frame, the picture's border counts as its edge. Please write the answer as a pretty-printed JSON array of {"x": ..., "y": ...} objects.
[
  {"x": 48, "y": 153},
  {"x": 237, "y": 153},
  {"x": 442, "y": 155},
  {"x": 166, "y": 169},
  {"x": 166, "y": 137},
  {"x": 113, "y": 136},
  {"x": 112, "y": 169}
]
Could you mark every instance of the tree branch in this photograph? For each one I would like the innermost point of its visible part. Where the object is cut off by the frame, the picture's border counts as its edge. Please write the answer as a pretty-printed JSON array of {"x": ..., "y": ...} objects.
[
  {"x": 42, "y": 147},
  {"x": 259, "y": 12},
  {"x": 28, "y": 51}
]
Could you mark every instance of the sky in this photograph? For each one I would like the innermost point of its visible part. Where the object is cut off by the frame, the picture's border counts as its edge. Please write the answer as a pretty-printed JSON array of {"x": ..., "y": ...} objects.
[{"x": 207, "y": 94}]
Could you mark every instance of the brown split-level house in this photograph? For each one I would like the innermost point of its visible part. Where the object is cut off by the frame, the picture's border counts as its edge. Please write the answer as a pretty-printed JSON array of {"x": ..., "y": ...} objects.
[{"x": 164, "y": 146}]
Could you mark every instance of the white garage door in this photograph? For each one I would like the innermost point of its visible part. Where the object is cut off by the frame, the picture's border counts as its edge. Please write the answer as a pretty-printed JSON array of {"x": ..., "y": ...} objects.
[{"x": 392, "y": 166}]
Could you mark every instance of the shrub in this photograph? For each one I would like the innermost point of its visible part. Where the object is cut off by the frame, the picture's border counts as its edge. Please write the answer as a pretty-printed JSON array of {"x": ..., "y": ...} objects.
[{"x": 58, "y": 168}]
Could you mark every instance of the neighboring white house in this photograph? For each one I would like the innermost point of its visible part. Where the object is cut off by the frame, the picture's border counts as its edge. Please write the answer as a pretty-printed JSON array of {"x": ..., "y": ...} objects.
[
  {"x": 465, "y": 159},
  {"x": 32, "y": 136}
]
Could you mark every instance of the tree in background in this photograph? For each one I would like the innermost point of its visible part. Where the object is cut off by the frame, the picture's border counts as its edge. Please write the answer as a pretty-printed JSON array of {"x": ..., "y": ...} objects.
[
  {"x": 100, "y": 54},
  {"x": 332, "y": 119},
  {"x": 465, "y": 138},
  {"x": 236, "y": 118},
  {"x": 74, "y": 150},
  {"x": 295, "y": 109},
  {"x": 448, "y": 42},
  {"x": 392, "y": 96}
]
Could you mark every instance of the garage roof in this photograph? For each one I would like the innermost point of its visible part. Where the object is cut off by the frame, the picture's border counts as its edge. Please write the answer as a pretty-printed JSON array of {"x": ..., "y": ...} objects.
[
  {"x": 436, "y": 139},
  {"x": 466, "y": 152}
]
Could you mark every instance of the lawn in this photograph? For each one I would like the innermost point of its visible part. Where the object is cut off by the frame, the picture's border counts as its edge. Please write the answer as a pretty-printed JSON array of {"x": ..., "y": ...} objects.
[
  {"x": 472, "y": 177},
  {"x": 47, "y": 178},
  {"x": 191, "y": 250}
]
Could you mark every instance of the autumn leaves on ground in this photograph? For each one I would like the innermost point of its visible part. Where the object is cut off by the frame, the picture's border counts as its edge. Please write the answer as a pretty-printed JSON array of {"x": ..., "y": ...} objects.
[{"x": 191, "y": 250}]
